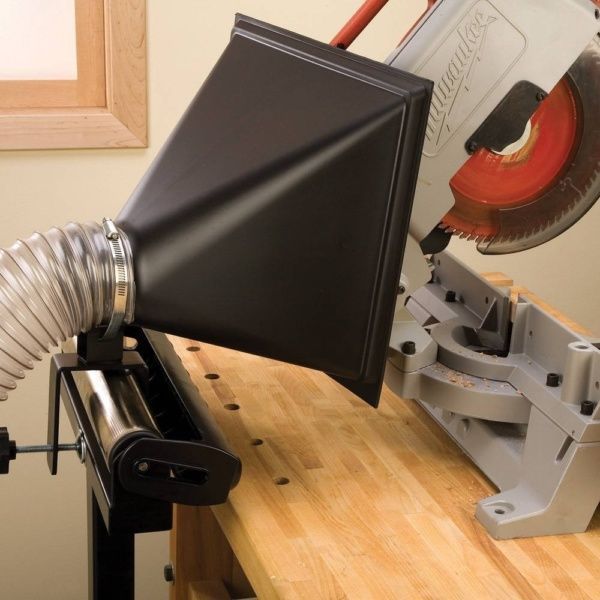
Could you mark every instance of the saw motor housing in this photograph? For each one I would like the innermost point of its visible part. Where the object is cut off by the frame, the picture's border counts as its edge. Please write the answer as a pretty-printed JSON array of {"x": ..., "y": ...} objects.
[{"x": 490, "y": 64}]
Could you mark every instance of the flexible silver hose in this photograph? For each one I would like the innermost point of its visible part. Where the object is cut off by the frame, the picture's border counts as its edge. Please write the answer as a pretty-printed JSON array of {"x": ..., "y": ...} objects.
[{"x": 54, "y": 286}]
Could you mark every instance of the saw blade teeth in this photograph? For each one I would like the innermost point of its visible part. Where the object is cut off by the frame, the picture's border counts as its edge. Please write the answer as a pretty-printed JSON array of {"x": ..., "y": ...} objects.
[{"x": 549, "y": 207}]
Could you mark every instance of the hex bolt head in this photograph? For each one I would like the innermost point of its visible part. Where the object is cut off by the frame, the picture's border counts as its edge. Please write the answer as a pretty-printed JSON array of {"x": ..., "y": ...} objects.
[
  {"x": 553, "y": 380},
  {"x": 450, "y": 296},
  {"x": 587, "y": 408},
  {"x": 169, "y": 573},
  {"x": 409, "y": 347}
]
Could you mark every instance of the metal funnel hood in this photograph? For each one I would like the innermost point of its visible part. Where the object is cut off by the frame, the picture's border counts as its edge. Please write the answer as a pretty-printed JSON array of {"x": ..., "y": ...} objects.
[{"x": 274, "y": 219}]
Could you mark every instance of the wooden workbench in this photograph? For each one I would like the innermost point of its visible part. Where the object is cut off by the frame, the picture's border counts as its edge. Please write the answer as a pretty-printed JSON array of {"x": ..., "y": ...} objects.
[{"x": 338, "y": 500}]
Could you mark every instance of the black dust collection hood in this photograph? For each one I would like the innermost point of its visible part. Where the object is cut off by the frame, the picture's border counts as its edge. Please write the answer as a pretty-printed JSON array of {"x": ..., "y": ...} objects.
[{"x": 274, "y": 219}]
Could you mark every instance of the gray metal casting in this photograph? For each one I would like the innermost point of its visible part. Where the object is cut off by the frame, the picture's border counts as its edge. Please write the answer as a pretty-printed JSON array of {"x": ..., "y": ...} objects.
[{"x": 531, "y": 439}]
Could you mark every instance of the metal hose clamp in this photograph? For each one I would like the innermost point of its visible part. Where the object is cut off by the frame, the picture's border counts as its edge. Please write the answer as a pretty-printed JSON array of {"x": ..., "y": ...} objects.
[{"x": 122, "y": 278}]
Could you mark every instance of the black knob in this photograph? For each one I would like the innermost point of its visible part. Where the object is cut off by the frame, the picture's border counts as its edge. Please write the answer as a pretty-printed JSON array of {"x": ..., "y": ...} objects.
[
  {"x": 8, "y": 450},
  {"x": 587, "y": 408},
  {"x": 409, "y": 347},
  {"x": 169, "y": 573},
  {"x": 553, "y": 380},
  {"x": 450, "y": 296}
]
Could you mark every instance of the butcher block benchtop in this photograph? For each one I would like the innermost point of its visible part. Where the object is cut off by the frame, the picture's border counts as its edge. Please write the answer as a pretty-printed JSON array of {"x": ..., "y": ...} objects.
[{"x": 339, "y": 500}]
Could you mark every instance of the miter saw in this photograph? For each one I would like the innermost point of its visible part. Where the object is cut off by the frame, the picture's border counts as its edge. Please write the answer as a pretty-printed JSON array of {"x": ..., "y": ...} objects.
[
  {"x": 278, "y": 219},
  {"x": 511, "y": 159}
]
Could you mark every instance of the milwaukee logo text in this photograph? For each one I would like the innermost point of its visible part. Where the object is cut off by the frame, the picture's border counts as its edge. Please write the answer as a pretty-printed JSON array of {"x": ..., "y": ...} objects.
[{"x": 457, "y": 78}]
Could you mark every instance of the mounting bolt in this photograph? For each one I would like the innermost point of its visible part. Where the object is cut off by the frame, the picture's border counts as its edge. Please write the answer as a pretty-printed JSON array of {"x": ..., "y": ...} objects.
[
  {"x": 401, "y": 290},
  {"x": 142, "y": 467},
  {"x": 169, "y": 573},
  {"x": 553, "y": 380},
  {"x": 450, "y": 296},
  {"x": 540, "y": 96},
  {"x": 587, "y": 408},
  {"x": 472, "y": 146},
  {"x": 409, "y": 347}
]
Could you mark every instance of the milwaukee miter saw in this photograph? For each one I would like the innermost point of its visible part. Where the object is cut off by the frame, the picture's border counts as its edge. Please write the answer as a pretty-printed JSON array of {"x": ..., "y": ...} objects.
[{"x": 511, "y": 159}]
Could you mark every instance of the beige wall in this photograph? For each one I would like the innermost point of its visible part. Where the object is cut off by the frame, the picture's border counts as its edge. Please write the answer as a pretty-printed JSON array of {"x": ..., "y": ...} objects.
[{"x": 42, "y": 519}]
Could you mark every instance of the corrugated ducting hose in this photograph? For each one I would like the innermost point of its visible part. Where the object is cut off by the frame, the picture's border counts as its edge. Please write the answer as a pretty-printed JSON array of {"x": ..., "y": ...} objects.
[{"x": 56, "y": 285}]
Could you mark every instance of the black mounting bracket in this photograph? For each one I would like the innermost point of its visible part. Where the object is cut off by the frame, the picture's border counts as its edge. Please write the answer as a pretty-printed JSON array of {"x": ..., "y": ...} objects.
[
  {"x": 506, "y": 123},
  {"x": 93, "y": 354},
  {"x": 133, "y": 491}
]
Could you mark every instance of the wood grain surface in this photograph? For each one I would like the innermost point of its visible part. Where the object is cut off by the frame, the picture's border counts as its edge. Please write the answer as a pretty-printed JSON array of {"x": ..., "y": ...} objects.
[
  {"x": 106, "y": 107},
  {"x": 339, "y": 500}
]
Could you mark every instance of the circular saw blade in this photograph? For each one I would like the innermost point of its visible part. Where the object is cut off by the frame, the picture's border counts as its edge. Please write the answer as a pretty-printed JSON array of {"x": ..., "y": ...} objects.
[{"x": 508, "y": 203}]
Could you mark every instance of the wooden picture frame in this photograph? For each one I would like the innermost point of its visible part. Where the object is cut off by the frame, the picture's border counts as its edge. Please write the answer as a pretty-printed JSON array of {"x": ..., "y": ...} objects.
[{"x": 106, "y": 107}]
